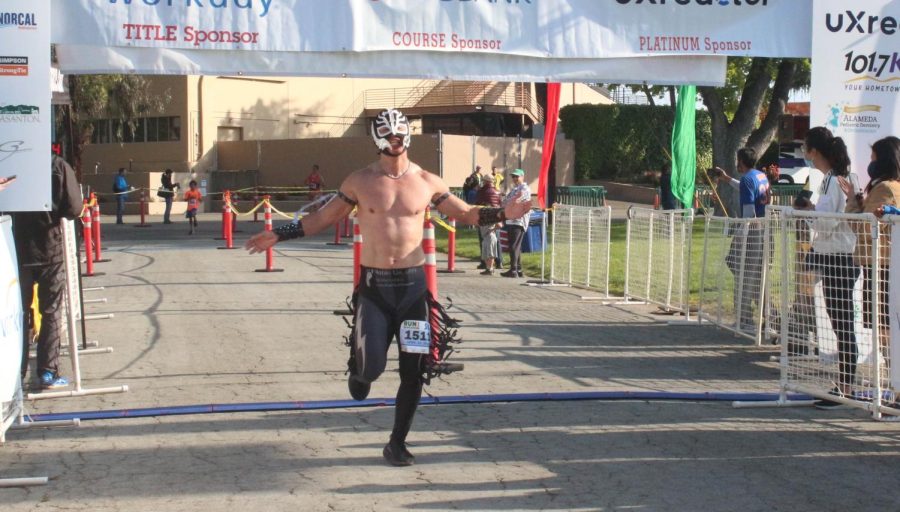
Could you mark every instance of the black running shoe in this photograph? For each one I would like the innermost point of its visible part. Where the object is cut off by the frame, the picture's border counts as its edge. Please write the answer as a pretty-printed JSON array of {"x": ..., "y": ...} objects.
[
  {"x": 397, "y": 454},
  {"x": 359, "y": 389},
  {"x": 830, "y": 405}
]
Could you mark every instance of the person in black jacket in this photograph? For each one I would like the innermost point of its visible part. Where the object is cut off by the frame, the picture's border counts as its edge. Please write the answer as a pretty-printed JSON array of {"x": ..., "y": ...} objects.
[
  {"x": 666, "y": 197},
  {"x": 39, "y": 249},
  {"x": 167, "y": 192}
]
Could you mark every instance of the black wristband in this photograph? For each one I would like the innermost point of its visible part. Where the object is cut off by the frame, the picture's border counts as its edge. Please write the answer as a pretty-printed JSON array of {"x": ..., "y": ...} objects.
[
  {"x": 488, "y": 216},
  {"x": 290, "y": 231}
]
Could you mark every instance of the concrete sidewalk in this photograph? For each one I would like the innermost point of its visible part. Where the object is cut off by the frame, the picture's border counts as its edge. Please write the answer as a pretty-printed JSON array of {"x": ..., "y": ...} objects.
[{"x": 197, "y": 325}]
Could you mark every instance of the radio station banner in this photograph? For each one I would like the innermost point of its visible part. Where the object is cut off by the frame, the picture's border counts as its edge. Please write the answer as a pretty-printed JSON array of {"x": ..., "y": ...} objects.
[
  {"x": 25, "y": 120},
  {"x": 558, "y": 29},
  {"x": 856, "y": 74},
  {"x": 10, "y": 315}
]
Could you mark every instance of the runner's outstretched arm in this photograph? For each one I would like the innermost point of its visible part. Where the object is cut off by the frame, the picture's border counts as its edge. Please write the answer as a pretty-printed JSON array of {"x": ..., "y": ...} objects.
[
  {"x": 452, "y": 206},
  {"x": 339, "y": 207}
]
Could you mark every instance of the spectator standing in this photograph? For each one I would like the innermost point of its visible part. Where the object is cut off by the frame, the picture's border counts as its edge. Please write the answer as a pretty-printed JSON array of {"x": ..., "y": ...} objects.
[
  {"x": 193, "y": 198},
  {"x": 773, "y": 173},
  {"x": 315, "y": 183},
  {"x": 489, "y": 197},
  {"x": 39, "y": 248},
  {"x": 498, "y": 179},
  {"x": 472, "y": 185},
  {"x": 747, "y": 242},
  {"x": 167, "y": 192},
  {"x": 516, "y": 227},
  {"x": 120, "y": 187},
  {"x": 883, "y": 190},
  {"x": 833, "y": 244},
  {"x": 666, "y": 197}
]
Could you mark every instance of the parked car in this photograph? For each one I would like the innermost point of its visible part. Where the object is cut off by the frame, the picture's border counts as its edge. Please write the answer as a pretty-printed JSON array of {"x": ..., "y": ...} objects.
[{"x": 792, "y": 164}]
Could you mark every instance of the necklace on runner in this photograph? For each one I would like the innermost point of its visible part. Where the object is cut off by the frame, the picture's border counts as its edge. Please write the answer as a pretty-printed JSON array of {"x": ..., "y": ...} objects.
[{"x": 397, "y": 177}]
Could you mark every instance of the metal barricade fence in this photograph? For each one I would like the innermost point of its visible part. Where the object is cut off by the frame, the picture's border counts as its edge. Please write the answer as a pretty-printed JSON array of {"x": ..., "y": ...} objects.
[
  {"x": 889, "y": 312},
  {"x": 834, "y": 329},
  {"x": 773, "y": 284},
  {"x": 580, "y": 247},
  {"x": 781, "y": 194},
  {"x": 736, "y": 254},
  {"x": 658, "y": 257},
  {"x": 591, "y": 197}
]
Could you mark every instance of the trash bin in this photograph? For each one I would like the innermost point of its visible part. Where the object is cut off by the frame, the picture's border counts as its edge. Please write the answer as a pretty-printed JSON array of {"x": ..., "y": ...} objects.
[{"x": 534, "y": 240}]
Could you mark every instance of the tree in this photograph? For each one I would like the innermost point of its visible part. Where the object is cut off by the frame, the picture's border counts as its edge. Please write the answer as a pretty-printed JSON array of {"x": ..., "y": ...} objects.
[
  {"x": 755, "y": 89},
  {"x": 122, "y": 99}
]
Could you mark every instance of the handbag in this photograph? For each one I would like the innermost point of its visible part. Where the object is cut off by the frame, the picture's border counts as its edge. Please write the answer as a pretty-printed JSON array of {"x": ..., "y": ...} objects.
[{"x": 164, "y": 192}]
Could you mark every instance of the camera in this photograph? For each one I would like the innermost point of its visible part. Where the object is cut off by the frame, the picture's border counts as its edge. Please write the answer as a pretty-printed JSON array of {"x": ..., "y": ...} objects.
[
  {"x": 803, "y": 199},
  {"x": 715, "y": 173}
]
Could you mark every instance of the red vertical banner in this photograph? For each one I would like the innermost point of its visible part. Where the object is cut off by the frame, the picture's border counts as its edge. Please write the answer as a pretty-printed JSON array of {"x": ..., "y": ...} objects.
[{"x": 552, "y": 116}]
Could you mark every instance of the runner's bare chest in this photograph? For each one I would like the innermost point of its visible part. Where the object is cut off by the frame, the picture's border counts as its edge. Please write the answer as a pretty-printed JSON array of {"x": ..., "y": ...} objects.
[{"x": 396, "y": 198}]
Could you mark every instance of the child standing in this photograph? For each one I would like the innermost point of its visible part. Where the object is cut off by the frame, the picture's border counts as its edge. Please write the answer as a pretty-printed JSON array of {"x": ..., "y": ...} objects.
[{"x": 193, "y": 198}]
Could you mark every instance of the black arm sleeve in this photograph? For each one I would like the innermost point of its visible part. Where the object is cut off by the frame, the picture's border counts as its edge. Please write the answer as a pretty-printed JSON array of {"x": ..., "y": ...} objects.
[
  {"x": 488, "y": 216},
  {"x": 290, "y": 231},
  {"x": 443, "y": 197},
  {"x": 343, "y": 197}
]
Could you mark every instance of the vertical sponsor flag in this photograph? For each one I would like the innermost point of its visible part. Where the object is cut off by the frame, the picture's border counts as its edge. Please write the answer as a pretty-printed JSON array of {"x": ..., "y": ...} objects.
[
  {"x": 10, "y": 317},
  {"x": 25, "y": 117},
  {"x": 684, "y": 145},
  {"x": 552, "y": 116},
  {"x": 855, "y": 75}
]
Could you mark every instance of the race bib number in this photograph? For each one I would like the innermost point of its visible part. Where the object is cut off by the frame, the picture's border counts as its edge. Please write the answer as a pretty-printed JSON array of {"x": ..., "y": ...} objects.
[{"x": 415, "y": 336}]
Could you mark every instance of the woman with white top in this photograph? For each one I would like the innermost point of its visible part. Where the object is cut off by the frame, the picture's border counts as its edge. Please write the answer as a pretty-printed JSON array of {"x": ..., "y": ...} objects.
[{"x": 833, "y": 243}]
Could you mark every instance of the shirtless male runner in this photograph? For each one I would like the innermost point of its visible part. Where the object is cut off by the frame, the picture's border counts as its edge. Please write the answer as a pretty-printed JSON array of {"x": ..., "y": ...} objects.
[{"x": 390, "y": 196}]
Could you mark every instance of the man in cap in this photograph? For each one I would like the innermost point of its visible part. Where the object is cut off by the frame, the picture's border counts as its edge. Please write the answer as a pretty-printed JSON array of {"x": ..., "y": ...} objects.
[
  {"x": 516, "y": 226},
  {"x": 390, "y": 196}
]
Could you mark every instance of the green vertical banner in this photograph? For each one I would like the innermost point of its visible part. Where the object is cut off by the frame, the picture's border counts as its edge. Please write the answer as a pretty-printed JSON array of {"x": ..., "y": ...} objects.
[{"x": 684, "y": 146}]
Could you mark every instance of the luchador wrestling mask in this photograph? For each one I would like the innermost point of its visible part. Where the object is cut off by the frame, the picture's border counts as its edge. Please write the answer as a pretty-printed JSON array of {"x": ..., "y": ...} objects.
[{"x": 389, "y": 123}]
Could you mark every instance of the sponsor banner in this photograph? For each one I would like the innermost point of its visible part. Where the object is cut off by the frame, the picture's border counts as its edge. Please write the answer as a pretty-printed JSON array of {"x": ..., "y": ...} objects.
[
  {"x": 856, "y": 74},
  {"x": 10, "y": 317},
  {"x": 73, "y": 267},
  {"x": 582, "y": 29},
  {"x": 25, "y": 120},
  {"x": 428, "y": 65},
  {"x": 15, "y": 66}
]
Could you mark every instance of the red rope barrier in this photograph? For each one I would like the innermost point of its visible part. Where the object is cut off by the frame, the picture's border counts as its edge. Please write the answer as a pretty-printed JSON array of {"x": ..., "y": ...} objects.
[
  {"x": 95, "y": 222},
  {"x": 337, "y": 235},
  {"x": 143, "y": 207},
  {"x": 451, "y": 250},
  {"x": 87, "y": 235},
  {"x": 227, "y": 221},
  {"x": 270, "y": 253}
]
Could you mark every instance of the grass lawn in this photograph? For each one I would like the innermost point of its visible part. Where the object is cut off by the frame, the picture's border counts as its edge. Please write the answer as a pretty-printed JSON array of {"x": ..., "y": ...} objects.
[{"x": 467, "y": 247}]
